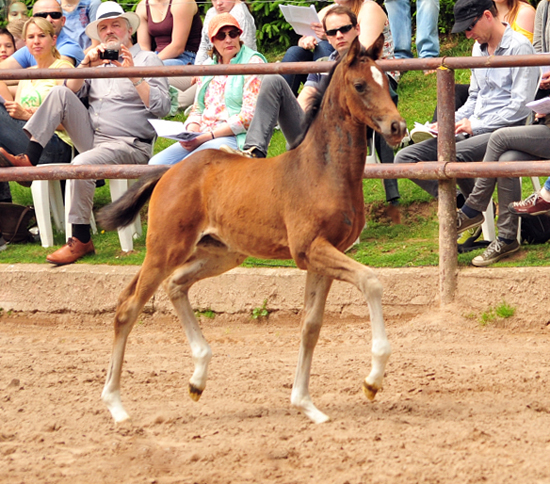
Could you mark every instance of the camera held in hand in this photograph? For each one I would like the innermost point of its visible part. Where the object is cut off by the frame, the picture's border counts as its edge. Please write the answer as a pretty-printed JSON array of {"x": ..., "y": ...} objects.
[{"x": 109, "y": 54}]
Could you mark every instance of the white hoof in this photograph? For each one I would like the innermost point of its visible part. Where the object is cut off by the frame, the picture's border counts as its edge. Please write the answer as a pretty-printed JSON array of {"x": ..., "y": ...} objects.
[{"x": 114, "y": 404}]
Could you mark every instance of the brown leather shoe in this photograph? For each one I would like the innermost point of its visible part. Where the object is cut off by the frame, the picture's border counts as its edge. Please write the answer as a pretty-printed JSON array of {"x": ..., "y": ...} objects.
[
  {"x": 8, "y": 160},
  {"x": 71, "y": 252}
]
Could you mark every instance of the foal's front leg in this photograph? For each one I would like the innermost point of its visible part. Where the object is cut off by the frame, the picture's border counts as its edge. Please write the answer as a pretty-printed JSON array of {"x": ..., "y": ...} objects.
[
  {"x": 317, "y": 289},
  {"x": 325, "y": 259}
]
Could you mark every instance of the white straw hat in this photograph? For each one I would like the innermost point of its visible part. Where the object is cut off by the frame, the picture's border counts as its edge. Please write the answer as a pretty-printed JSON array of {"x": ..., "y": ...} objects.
[{"x": 111, "y": 10}]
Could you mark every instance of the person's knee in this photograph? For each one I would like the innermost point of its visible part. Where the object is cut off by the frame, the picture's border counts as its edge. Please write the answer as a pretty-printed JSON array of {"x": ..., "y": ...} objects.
[{"x": 406, "y": 155}]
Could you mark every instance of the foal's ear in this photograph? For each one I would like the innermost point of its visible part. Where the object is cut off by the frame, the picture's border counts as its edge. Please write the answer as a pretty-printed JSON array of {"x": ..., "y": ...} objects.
[
  {"x": 354, "y": 52},
  {"x": 375, "y": 50}
]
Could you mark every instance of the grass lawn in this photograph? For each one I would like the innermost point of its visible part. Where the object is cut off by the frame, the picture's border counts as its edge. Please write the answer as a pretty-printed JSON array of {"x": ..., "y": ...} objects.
[{"x": 413, "y": 243}]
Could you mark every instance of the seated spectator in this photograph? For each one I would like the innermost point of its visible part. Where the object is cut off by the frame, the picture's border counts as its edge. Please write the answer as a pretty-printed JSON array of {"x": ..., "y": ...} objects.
[
  {"x": 497, "y": 97},
  {"x": 240, "y": 11},
  {"x": 17, "y": 11},
  {"x": 224, "y": 105},
  {"x": 519, "y": 14},
  {"x": 308, "y": 49},
  {"x": 15, "y": 28},
  {"x": 173, "y": 30},
  {"x": 78, "y": 14},
  {"x": 114, "y": 129},
  {"x": 40, "y": 38},
  {"x": 541, "y": 42},
  {"x": 68, "y": 48},
  {"x": 520, "y": 143},
  {"x": 7, "y": 44}
]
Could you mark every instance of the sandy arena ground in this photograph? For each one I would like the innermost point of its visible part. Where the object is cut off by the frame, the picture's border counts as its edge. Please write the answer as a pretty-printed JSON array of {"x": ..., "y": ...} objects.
[{"x": 462, "y": 403}]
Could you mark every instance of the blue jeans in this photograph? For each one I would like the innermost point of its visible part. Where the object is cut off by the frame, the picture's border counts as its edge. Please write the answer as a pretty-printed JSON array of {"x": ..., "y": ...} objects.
[
  {"x": 15, "y": 141},
  {"x": 175, "y": 153},
  {"x": 185, "y": 58},
  {"x": 427, "y": 32},
  {"x": 297, "y": 54}
]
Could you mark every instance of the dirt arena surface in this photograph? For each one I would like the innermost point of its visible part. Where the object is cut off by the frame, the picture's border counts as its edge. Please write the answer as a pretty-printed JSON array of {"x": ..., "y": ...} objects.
[{"x": 462, "y": 403}]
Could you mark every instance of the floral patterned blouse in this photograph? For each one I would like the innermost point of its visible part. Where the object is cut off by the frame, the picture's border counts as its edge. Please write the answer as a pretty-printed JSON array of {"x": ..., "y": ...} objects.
[{"x": 215, "y": 112}]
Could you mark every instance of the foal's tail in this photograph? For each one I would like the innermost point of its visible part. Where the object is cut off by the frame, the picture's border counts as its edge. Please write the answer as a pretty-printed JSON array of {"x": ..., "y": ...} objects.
[{"x": 124, "y": 210}]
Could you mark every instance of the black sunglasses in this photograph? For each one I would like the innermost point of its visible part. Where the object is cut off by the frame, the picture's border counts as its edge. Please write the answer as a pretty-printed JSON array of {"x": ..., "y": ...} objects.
[
  {"x": 54, "y": 15},
  {"x": 232, "y": 33},
  {"x": 474, "y": 23},
  {"x": 344, "y": 30}
]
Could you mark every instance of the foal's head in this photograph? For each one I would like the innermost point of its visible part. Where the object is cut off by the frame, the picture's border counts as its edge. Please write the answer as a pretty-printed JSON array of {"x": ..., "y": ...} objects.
[{"x": 367, "y": 92}]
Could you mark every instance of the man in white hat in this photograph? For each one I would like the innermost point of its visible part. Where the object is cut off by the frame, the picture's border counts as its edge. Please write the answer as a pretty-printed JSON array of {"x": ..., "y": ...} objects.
[{"x": 113, "y": 130}]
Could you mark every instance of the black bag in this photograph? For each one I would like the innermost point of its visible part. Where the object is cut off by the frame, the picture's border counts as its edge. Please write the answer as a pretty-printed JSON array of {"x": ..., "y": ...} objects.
[
  {"x": 15, "y": 222},
  {"x": 535, "y": 229}
]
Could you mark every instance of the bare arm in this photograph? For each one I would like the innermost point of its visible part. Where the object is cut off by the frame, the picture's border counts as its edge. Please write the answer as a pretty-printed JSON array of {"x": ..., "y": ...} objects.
[
  {"x": 5, "y": 91},
  {"x": 371, "y": 22},
  {"x": 304, "y": 98},
  {"x": 143, "y": 37},
  {"x": 526, "y": 18},
  {"x": 183, "y": 13}
]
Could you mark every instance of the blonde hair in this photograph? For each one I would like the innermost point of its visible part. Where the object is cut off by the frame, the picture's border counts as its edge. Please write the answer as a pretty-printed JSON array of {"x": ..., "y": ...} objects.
[{"x": 46, "y": 27}]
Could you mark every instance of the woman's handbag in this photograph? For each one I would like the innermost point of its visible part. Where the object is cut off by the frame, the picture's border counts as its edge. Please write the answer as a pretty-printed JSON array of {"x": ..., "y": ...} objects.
[{"x": 15, "y": 222}]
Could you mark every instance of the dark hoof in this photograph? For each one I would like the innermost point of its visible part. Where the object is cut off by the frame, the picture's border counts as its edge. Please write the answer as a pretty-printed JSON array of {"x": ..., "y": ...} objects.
[
  {"x": 194, "y": 392},
  {"x": 369, "y": 391}
]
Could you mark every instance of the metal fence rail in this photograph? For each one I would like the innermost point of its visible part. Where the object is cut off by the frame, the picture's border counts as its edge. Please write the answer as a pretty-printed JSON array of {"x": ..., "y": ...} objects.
[{"x": 445, "y": 169}]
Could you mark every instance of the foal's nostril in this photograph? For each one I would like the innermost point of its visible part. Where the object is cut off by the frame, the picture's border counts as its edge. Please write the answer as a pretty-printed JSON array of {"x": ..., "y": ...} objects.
[{"x": 397, "y": 128}]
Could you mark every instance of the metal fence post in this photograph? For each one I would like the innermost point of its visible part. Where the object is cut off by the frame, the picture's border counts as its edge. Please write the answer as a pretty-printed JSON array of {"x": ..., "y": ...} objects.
[{"x": 446, "y": 148}]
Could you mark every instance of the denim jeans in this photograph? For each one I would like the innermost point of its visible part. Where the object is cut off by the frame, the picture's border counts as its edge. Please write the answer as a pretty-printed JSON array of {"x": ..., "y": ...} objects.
[
  {"x": 185, "y": 58},
  {"x": 15, "y": 141},
  {"x": 427, "y": 32},
  {"x": 297, "y": 54},
  {"x": 175, "y": 153}
]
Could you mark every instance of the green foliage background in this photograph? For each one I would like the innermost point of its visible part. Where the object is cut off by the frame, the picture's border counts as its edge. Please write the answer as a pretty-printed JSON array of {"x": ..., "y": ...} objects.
[{"x": 274, "y": 34}]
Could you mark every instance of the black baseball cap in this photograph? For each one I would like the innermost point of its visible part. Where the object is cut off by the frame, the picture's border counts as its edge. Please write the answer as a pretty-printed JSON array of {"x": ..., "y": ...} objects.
[{"x": 467, "y": 11}]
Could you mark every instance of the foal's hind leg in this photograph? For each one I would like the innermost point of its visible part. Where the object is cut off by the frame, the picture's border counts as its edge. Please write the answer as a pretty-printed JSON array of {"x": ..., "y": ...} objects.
[
  {"x": 317, "y": 288},
  {"x": 203, "y": 264},
  {"x": 324, "y": 258},
  {"x": 130, "y": 304}
]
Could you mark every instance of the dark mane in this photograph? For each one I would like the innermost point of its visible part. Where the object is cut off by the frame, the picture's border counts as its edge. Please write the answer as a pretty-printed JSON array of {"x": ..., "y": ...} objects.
[{"x": 315, "y": 105}]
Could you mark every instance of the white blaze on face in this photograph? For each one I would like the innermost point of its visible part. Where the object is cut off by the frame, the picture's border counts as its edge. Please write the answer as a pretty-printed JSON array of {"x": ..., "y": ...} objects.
[{"x": 377, "y": 76}]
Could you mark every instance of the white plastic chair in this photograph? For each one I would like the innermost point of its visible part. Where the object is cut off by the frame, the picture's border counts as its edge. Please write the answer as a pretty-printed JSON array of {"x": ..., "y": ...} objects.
[{"x": 488, "y": 226}]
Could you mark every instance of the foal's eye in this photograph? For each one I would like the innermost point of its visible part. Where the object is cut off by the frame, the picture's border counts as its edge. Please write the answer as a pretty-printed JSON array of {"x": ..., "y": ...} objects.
[{"x": 359, "y": 87}]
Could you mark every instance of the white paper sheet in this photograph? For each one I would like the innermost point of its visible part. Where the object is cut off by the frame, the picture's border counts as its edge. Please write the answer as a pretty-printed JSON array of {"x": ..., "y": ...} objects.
[
  {"x": 173, "y": 130},
  {"x": 542, "y": 106},
  {"x": 301, "y": 18}
]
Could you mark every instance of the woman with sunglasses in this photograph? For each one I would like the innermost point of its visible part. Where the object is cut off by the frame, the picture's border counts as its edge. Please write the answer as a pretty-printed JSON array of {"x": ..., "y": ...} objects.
[
  {"x": 224, "y": 105},
  {"x": 40, "y": 39}
]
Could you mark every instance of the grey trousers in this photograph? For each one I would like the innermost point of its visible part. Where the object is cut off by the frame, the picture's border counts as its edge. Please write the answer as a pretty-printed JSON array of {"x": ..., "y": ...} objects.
[
  {"x": 467, "y": 149},
  {"x": 276, "y": 104},
  {"x": 63, "y": 106},
  {"x": 519, "y": 143}
]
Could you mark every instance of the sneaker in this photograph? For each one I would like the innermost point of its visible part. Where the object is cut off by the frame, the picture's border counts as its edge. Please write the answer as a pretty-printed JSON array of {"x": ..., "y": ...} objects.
[
  {"x": 421, "y": 133},
  {"x": 532, "y": 205},
  {"x": 463, "y": 222},
  {"x": 497, "y": 250},
  {"x": 469, "y": 235}
]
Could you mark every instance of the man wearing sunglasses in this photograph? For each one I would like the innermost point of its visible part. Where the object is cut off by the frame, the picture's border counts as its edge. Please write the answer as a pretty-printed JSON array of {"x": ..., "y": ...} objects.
[
  {"x": 67, "y": 47},
  {"x": 496, "y": 97}
]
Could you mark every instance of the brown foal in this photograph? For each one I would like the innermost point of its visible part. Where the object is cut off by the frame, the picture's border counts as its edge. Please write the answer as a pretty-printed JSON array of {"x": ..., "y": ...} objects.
[{"x": 211, "y": 211}]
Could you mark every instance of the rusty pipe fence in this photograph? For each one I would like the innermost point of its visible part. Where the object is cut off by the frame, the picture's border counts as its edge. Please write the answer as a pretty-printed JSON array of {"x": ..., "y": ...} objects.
[{"x": 446, "y": 170}]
